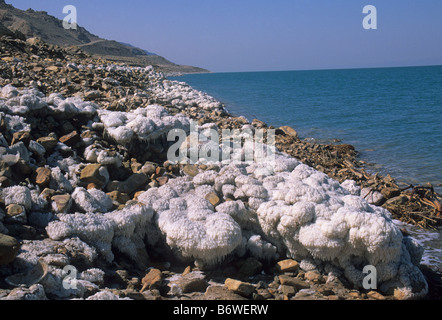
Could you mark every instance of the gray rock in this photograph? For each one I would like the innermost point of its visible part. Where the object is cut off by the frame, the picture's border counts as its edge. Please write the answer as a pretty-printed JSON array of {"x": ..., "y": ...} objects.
[
  {"x": 192, "y": 282},
  {"x": 221, "y": 293}
]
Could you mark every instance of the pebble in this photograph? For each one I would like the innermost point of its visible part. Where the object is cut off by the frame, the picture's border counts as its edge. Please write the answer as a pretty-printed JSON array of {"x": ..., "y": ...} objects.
[
  {"x": 375, "y": 295},
  {"x": 314, "y": 276},
  {"x": 244, "y": 289},
  {"x": 287, "y": 265},
  {"x": 190, "y": 170},
  {"x": 287, "y": 291},
  {"x": 294, "y": 282},
  {"x": 91, "y": 174},
  {"x": 152, "y": 280}
]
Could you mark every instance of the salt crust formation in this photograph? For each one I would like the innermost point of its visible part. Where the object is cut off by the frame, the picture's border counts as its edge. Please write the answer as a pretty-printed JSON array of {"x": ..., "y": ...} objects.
[{"x": 284, "y": 210}]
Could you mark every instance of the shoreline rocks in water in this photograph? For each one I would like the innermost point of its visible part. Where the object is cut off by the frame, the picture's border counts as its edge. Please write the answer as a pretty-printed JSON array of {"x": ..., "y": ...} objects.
[{"x": 86, "y": 186}]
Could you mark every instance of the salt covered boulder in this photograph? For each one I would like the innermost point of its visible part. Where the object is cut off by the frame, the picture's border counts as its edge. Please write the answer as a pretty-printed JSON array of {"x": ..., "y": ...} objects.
[
  {"x": 191, "y": 226},
  {"x": 311, "y": 216},
  {"x": 143, "y": 124},
  {"x": 124, "y": 230}
]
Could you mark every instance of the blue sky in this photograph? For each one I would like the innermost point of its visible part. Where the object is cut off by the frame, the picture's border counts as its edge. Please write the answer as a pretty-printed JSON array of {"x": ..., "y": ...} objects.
[{"x": 258, "y": 35}]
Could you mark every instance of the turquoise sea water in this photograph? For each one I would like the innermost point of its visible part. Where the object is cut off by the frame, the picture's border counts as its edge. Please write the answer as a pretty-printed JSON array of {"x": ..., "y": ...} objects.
[{"x": 393, "y": 116}]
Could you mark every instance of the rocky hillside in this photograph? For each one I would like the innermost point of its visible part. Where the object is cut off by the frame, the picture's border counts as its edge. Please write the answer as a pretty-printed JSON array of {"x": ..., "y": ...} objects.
[{"x": 31, "y": 23}]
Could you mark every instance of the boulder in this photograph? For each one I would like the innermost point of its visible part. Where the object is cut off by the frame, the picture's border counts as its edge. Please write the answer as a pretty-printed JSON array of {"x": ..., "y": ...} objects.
[
  {"x": 9, "y": 247},
  {"x": 373, "y": 197},
  {"x": 289, "y": 131}
]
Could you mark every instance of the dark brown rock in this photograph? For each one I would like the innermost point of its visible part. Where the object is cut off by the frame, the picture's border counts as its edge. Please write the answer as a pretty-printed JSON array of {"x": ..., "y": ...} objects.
[{"x": 9, "y": 247}]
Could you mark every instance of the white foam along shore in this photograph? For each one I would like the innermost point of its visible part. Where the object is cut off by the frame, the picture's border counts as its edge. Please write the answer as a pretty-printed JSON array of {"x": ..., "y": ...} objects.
[{"x": 285, "y": 210}]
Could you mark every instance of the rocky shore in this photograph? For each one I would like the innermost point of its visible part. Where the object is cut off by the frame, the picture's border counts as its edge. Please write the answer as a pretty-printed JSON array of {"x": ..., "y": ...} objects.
[{"x": 92, "y": 209}]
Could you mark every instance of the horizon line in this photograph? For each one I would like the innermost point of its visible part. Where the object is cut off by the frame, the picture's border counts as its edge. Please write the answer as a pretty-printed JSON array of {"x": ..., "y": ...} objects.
[{"x": 323, "y": 69}]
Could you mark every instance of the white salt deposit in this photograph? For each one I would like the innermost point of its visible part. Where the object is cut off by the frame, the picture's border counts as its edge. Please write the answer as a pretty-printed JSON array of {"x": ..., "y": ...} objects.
[{"x": 285, "y": 210}]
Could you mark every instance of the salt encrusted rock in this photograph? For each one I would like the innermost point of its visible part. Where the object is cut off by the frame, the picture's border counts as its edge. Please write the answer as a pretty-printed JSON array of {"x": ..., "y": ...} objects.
[
  {"x": 55, "y": 255},
  {"x": 61, "y": 203},
  {"x": 60, "y": 181},
  {"x": 92, "y": 228},
  {"x": 92, "y": 200},
  {"x": 106, "y": 295},
  {"x": 17, "y": 195},
  {"x": 280, "y": 209},
  {"x": 144, "y": 124},
  {"x": 214, "y": 236},
  {"x": 373, "y": 197},
  {"x": 34, "y": 292},
  {"x": 351, "y": 187},
  {"x": 36, "y": 148},
  {"x": 130, "y": 229},
  {"x": 124, "y": 229},
  {"x": 261, "y": 249},
  {"x": 93, "y": 275}
]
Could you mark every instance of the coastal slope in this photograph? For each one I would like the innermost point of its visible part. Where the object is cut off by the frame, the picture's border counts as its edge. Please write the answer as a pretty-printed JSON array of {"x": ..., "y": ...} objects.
[
  {"x": 30, "y": 23},
  {"x": 87, "y": 185}
]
